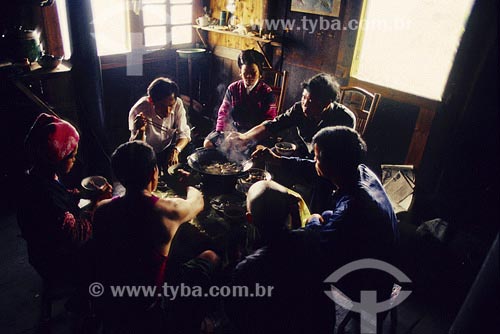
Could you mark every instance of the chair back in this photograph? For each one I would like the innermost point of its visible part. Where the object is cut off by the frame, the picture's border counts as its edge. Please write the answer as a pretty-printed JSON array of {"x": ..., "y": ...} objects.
[
  {"x": 278, "y": 80},
  {"x": 362, "y": 103}
]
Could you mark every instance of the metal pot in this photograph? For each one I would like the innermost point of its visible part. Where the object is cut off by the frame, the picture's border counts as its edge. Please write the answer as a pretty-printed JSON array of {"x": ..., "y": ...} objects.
[
  {"x": 204, "y": 157},
  {"x": 217, "y": 182}
]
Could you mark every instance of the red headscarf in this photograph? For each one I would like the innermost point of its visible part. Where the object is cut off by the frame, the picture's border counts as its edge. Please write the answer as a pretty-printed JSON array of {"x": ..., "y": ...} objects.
[{"x": 51, "y": 139}]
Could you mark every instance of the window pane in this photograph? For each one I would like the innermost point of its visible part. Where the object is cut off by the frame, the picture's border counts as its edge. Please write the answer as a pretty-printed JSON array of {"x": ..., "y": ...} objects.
[
  {"x": 110, "y": 24},
  {"x": 182, "y": 34},
  {"x": 410, "y": 45},
  {"x": 144, "y": 2},
  {"x": 182, "y": 14},
  {"x": 154, "y": 14},
  {"x": 180, "y": 1},
  {"x": 155, "y": 36},
  {"x": 63, "y": 21}
]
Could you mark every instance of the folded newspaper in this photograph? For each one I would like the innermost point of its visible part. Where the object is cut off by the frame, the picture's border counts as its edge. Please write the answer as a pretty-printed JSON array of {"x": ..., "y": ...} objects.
[{"x": 399, "y": 184}]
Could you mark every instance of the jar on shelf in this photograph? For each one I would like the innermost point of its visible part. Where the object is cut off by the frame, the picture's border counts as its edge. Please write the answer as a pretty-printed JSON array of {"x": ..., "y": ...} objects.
[{"x": 26, "y": 45}]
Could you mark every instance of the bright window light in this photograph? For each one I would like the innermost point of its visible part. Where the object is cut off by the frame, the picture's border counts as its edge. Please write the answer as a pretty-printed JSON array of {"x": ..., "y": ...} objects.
[
  {"x": 182, "y": 14},
  {"x": 152, "y": 1},
  {"x": 110, "y": 24},
  {"x": 154, "y": 14},
  {"x": 63, "y": 23},
  {"x": 181, "y": 34},
  {"x": 155, "y": 36},
  {"x": 410, "y": 45}
]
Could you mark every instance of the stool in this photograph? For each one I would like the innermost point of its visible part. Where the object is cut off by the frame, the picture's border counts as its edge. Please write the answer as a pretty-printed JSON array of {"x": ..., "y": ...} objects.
[{"x": 393, "y": 314}]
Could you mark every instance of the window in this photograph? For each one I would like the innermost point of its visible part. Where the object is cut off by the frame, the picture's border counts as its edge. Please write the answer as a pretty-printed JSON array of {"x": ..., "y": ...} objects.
[
  {"x": 63, "y": 23},
  {"x": 125, "y": 25},
  {"x": 410, "y": 45}
]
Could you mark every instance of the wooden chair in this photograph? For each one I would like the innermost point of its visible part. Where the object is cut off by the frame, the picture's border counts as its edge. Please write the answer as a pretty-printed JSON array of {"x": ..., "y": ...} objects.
[
  {"x": 362, "y": 103},
  {"x": 278, "y": 80},
  {"x": 393, "y": 312}
]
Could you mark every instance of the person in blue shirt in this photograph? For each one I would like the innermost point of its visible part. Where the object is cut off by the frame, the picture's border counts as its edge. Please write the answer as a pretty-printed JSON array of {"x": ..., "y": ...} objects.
[{"x": 361, "y": 223}]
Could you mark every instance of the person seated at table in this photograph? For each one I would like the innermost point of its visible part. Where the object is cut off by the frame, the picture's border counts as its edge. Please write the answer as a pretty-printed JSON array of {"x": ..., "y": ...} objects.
[
  {"x": 137, "y": 243},
  {"x": 360, "y": 223},
  {"x": 317, "y": 109},
  {"x": 285, "y": 267},
  {"x": 160, "y": 120},
  {"x": 55, "y": 228},
  {"x": 247, "y": 102}
]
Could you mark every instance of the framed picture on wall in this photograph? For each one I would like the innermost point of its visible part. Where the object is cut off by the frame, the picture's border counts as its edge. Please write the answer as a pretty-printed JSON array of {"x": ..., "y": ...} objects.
[{"x": 319, "y": 7}]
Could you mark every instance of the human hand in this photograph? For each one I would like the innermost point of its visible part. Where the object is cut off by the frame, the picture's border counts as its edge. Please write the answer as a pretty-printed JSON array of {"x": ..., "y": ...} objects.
[
  {"x": 184, "y": 177},
  {"x": 210, "y": 256},
  {"x": 236, "y": 141},
  {"x": 140, "y": 122},
  {"x": 173, "y": 159},
  {"x": 196, "y": 196},
  {"x": 316, "y": 216},
  {"x": 105, "y": 192},
  {"x": 265, "y": 154},
  {"x": 101, "y": 194}
]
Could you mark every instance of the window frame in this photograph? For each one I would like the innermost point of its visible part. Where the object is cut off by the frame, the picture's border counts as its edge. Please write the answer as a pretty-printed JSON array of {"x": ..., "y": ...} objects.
[
  {"x": 151, "y": 54},
  {"x": 388, "y": 92}
]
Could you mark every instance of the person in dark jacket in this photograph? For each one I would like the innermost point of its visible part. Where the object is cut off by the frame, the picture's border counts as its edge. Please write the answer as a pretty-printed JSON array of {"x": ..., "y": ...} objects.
[
  {"x": 317, "y": 109},
  {"x": 55, "y": 228},
  {"x": 360, "y": 223}
]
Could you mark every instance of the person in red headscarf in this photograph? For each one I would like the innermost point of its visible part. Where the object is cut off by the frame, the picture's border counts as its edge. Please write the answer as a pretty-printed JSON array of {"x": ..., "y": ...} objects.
[{"x": 53, "y": 225}]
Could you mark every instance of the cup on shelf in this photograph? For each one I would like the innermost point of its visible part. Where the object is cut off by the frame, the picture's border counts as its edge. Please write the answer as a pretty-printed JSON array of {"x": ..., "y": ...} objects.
[{"x": 203, "y": 21}]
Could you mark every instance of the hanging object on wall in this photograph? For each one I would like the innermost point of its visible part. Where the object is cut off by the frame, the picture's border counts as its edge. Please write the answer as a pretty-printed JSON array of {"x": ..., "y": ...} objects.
[{"x": 321, "y": 7}]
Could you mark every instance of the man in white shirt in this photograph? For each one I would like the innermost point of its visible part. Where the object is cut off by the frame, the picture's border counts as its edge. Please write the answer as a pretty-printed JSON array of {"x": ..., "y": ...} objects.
[{"x": 160, "y": 120}]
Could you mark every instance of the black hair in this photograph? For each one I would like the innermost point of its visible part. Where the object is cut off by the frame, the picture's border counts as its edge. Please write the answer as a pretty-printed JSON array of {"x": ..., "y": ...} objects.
[
  {"x": 249, "y": 57},
  {"x": 340, "y": 147},
  {"x": 132, "y": 163},
  {"x": 322, "y": 86},
  {"x": 161, "y": 88}
]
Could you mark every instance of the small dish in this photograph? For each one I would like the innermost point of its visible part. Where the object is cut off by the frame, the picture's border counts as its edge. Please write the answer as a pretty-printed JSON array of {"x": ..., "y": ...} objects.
[
  {"x": 253, "y": 175},
  {"x": 285, "y": 149},
  {"x": 94, "y": 183},
  {"x": 93, "y": 186}
]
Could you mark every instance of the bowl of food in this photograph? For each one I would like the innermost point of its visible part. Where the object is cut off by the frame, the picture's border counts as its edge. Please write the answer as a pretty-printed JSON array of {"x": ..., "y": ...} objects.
[
  {"x": 93, "y": 186},
  {"x": 285, "y": 149},
  {"x": 252, "y": 176}
]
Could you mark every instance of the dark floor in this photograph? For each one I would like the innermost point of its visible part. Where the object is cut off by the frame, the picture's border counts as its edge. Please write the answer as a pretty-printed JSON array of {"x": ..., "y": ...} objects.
[{"x": 20, "y": 289}]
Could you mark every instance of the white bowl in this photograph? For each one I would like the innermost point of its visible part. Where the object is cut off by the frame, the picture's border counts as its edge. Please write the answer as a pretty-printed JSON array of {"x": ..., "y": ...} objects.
[{"x": 94, "y": 183}]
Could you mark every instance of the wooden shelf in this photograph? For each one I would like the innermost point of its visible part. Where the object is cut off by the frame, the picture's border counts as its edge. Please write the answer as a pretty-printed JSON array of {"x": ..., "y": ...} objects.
[
  {"x": 221, "y": 30},
  {"x": 37, "y": 71}
]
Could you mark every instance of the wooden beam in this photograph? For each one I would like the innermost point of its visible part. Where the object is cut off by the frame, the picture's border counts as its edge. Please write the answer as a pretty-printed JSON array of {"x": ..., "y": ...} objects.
[
  {"x": 51, "y": 31},
  {"x": 420, "y": 136}
]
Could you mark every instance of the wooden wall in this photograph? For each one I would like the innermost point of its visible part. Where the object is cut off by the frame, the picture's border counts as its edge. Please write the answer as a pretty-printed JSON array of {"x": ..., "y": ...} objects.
[
  {"x": 246, "y": 12},
  {"x": 307, "y": 53}
]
